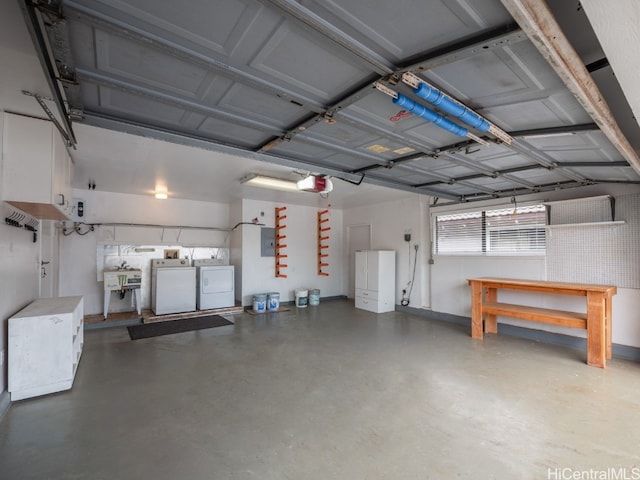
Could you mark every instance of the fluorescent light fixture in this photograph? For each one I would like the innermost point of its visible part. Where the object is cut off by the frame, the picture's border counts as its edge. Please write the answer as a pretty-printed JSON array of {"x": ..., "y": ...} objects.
[
  {"x": 270, "y": 182},
  {"x": 161, "y": 195}
]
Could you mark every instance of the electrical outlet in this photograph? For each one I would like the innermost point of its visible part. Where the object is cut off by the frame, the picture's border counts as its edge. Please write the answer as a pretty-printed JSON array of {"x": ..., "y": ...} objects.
[{"x": 407, "y": 237}]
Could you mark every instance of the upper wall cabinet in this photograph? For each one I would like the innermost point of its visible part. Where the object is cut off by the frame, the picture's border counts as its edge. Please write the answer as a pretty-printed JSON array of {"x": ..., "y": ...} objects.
[{"x": 36, "y": 168}]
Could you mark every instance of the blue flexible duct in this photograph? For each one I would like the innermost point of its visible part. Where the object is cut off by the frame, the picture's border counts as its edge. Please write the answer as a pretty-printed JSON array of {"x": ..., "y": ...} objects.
[
  {"x": 429, "y": 115},
  {"x": 451, "y": 107}
]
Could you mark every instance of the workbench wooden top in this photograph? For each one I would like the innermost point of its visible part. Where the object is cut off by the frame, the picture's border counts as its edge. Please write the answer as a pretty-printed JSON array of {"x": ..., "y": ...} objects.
[{"x": 544, "y": 284}]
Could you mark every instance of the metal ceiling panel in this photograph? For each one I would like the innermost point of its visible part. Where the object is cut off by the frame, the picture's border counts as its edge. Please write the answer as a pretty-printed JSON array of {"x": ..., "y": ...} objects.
[
  {"x": 122, "y": 103},
  {"x": 253, "y": 103},
  {"x": 226, "y": 132},
  {"x": 293, "y": 58},
  {"x": 383, "y": 25},
  {"x": 294, "y": 80},
  {"x": 213, "y": 26}
]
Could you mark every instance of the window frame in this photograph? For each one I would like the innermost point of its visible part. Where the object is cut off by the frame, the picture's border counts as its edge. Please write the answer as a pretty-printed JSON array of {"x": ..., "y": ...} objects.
[{"x": 485, "y": 230}]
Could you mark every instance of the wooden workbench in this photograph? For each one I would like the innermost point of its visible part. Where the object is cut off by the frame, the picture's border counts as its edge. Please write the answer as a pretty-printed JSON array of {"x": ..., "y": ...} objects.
[{"x": 596, "y": 320}]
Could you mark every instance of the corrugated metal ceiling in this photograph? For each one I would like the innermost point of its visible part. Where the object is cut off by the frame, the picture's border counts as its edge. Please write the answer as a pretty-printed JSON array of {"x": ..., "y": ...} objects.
[{"x": 293, "y": 82}]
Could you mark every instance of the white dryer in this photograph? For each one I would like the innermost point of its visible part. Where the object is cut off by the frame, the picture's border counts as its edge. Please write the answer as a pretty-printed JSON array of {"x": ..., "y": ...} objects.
[
  {"x": 215, "y": 284},
  {"x": 173, "y": 286}
]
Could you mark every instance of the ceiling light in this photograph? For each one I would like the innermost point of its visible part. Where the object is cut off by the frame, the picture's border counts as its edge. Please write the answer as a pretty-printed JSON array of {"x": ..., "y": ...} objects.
[
  {"x": 270, "y": 182},
  {"x": 161, "y": 191}
]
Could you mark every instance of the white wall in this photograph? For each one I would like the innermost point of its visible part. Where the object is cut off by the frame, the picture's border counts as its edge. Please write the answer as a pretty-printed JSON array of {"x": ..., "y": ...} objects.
[
  {"x": 389, "y": 221},
  {"x": 18, "y": 280},
  {"x": 235, "y": 245},
  {"x": 301, "y": 241},
  {"x": 78, "y": 266}
]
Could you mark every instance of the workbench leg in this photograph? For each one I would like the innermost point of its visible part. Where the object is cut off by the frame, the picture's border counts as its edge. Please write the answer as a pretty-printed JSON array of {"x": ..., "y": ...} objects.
[
  {"x": 608, "y": 321},
  {"x": 596, "y": 329},
  {"x": 107, "y": 297},
  {"x": 137, "y": 295},
  {"x": 476, "y": 310},
  {"x": 491, "y": 321}
]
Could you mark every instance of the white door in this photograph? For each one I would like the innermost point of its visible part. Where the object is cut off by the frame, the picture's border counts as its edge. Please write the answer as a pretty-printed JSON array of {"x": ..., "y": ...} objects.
[
  {"x": 358, "y": 238},
  {"x": 361, "y": 281}
]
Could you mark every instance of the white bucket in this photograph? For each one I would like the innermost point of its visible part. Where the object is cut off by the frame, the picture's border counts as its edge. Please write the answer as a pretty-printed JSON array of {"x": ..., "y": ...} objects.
[
  {"x": 314, "y": 297},
  {"x": 302, "y": 298},
  {"x": 273, "y": 301},
  {"x": 260, "y": 302}
]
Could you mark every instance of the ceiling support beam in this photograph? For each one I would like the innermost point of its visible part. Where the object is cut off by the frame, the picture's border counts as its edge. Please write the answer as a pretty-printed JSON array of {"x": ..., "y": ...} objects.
[
  {"x": 537, "y": 21},
  {"x": 36, "y": 26},
  {"x": 605, "y": 164},
  {"x": 597, "y": 65},
  {"x": 485, "y": 42},
  {"x": 551, "y": 131}
]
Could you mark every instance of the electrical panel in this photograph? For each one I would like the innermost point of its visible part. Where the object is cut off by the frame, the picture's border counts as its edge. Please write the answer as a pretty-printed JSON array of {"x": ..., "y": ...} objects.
[{"x": 267, "y": 242}]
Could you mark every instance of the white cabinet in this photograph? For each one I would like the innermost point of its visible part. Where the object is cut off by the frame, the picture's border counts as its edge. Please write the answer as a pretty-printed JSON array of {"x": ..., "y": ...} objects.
[
  {"x": 376, "y": 280},
  {"x": 45, "y": 344},
  {"x": 36, "y": 168}
]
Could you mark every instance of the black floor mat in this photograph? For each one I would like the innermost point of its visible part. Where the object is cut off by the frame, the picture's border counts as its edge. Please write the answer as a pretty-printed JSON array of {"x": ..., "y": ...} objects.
[{"x": 157, "y": 329}]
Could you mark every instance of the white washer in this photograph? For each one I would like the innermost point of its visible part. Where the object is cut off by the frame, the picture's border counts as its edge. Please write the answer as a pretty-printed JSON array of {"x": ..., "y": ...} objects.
[
  {"x": 215, "y": 284},
  {"x": 173, "y": 286}
]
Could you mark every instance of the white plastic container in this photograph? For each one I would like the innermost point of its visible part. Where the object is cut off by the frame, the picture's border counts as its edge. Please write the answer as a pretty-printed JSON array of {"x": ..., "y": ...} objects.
[
  {"x": 314, "y": 297},
  {"x": 273, "y": 301},
  {"x": 260, "y": 302},
  {"x": 302, "y": 298}
]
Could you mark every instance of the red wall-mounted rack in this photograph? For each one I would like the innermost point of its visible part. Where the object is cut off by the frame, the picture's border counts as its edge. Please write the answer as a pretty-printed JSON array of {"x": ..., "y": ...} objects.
[
  {"x": 322, "y": 255},
  {"x": 279, "y": 244}
]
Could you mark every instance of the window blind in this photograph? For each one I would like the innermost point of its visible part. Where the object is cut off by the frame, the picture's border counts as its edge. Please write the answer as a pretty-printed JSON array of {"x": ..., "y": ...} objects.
[{"x": 514, "y": 230}]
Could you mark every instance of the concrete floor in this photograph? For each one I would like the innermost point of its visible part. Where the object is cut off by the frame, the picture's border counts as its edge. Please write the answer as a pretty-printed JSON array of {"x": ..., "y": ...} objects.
[{"x": 328, "y": 392}]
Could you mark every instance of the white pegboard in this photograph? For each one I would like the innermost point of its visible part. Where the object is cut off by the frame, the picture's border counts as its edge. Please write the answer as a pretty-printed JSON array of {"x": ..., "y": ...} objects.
[
  {"x": 584, "y": 210},
  {"x": 603, "y": 254}
]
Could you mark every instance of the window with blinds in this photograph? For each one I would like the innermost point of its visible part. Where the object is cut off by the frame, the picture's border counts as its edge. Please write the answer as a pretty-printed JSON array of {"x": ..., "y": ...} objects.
[{"x": 515, "y": 230}]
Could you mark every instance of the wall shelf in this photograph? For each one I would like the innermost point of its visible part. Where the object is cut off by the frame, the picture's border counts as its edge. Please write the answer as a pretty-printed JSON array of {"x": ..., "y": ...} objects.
[
  {"x": 322, "y": 255},
  {"x": 586, "y": 224},
  {"x": 279, "y": 241},
  {"x": 578, "y": 200}
]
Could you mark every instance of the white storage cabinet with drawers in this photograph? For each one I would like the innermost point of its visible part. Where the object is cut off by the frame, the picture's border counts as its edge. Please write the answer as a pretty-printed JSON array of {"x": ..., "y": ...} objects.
[{"x": 376, "y": 280}]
